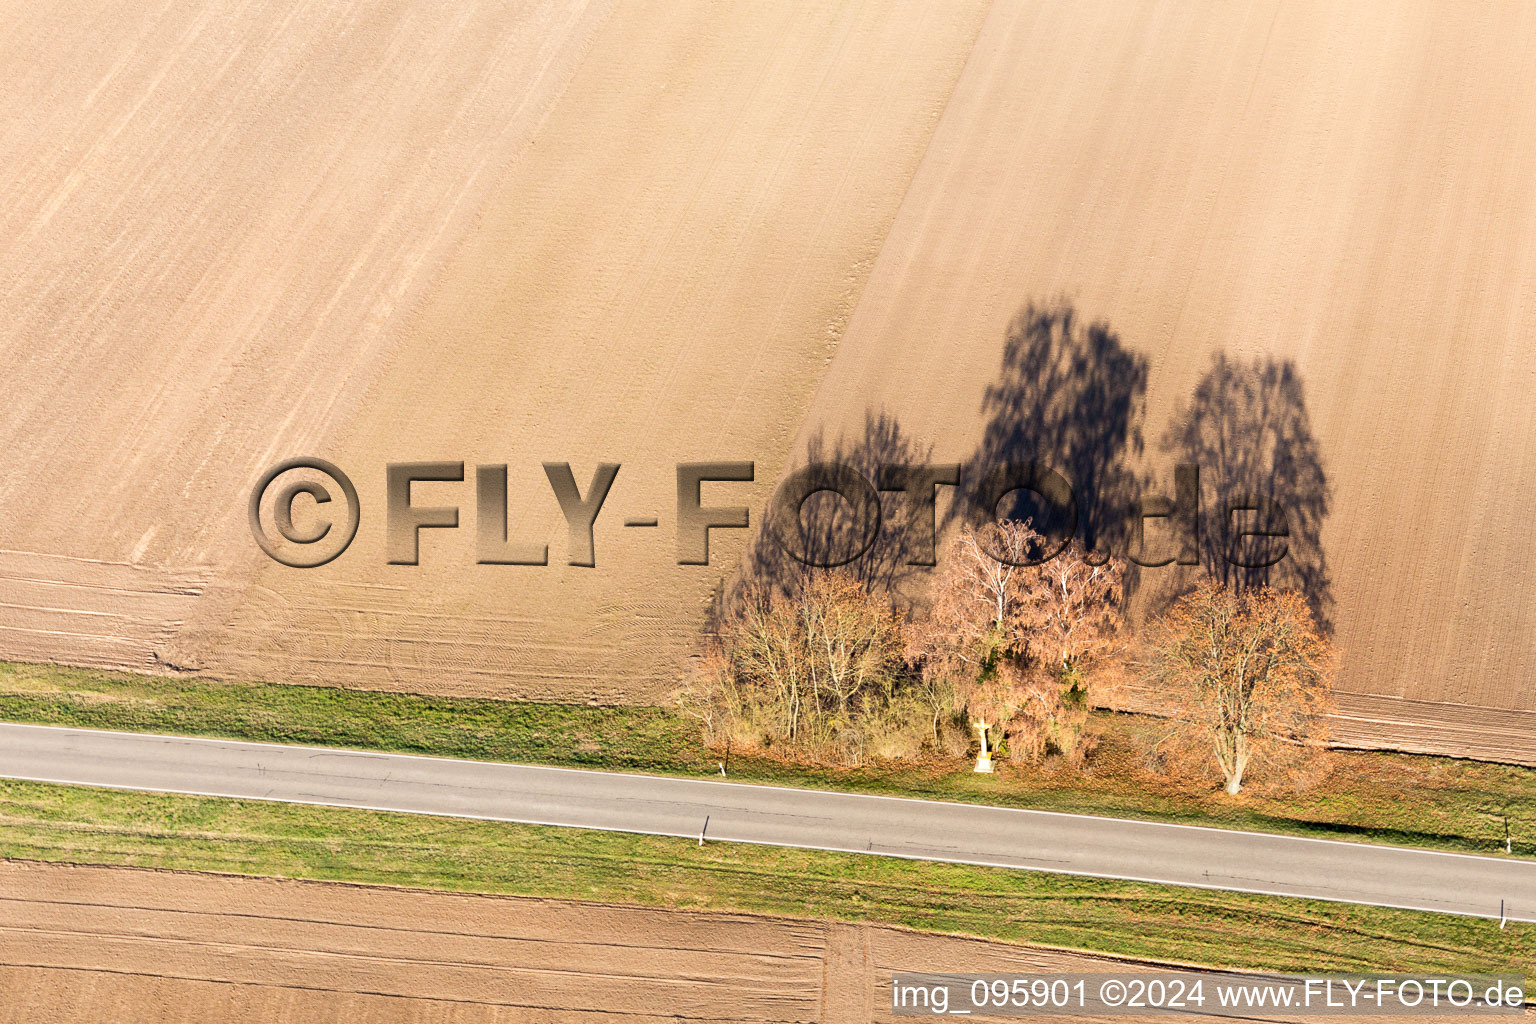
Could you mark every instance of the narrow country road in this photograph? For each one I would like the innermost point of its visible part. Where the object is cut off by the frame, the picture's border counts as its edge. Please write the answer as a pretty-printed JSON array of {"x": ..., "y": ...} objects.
[{"x": 724, "y": 811}]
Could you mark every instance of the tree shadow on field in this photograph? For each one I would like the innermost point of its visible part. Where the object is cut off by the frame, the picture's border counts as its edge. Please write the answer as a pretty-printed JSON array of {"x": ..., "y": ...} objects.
[
  {"x": 1069, "y": 396},
  {"x": 830, "y": 532},
  {"x": 1246, "y": 427}
]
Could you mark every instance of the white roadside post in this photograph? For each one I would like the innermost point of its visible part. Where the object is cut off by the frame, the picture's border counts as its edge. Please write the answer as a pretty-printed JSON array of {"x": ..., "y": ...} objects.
[{"x": 983, "y": 759}]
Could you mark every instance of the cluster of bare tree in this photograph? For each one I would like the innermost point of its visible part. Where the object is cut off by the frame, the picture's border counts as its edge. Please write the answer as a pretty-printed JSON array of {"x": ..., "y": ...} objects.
[
  {"x": 833, "y": 669},
  {"x": 831, "y": 662},
  {"x": 1011, "y": 640},
  {"x": 820, "y": 670}
]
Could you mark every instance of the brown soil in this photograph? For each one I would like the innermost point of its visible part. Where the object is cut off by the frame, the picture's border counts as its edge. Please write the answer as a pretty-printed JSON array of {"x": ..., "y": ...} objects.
[
  {"x": 1345, "y": 188},
  {"x": 215, "y": 216},
  {"x": 650, "y": 234},
  {"x": 93, "y": 944},
  {"x": 80, "y": 941},
  {"x": 540, "y": 234}
]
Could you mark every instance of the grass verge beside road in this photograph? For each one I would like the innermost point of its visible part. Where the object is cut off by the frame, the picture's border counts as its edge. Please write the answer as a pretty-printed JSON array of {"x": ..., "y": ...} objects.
[
  {"x": 42, "y": 821},
  {"x": 1392, "y": 798}
]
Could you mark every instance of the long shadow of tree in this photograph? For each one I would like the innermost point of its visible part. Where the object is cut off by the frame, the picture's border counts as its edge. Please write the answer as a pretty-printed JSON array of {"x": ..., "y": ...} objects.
[
  {"x": 876, "y": 545},
  {"x": 1070, "y": 396},
  {"x": 1261, "y": 471}
]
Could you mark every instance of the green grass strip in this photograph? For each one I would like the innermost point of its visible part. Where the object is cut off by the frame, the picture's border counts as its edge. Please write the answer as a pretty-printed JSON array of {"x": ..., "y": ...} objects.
[
  {"x": 49, "y": 822},
  {"x": 1412, "y": 800}
]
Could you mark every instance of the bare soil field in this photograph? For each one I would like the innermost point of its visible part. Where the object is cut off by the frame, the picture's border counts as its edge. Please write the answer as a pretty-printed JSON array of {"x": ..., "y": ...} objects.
[
  {"x": 660, "y": 276},
  {"x": 79, "y": 941},
  {"x": 1336, "y": 199},
  {"x": 89, "y": 944},
  {"x": 212, "y": 216},
  {"x": 664, "y": 232}
]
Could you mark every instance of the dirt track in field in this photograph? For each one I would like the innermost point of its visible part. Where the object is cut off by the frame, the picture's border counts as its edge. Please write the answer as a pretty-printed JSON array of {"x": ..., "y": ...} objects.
[
  {"x": 91, "y": 944},
  {"x": 665, "y": 232}
]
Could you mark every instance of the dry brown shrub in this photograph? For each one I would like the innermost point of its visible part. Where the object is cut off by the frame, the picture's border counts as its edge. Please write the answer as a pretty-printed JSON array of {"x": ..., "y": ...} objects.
[{"x": 819, "y": 673}]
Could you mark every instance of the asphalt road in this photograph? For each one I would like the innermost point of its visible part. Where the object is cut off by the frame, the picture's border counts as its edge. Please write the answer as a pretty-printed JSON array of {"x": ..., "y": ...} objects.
[{"x": 724, "y": 811}]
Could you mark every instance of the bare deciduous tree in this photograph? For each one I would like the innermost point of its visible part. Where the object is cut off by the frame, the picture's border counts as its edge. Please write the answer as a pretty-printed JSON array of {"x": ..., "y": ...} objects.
[
  {"x": 1071, "y": 610},
  {"x": 1244, "y": 670},
  {"x": 819, "y": 669},
  {"x": 975, "y": 599},
  {"x": 1012, "y": 637},
  {"x": 1071, "y": 616}
]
